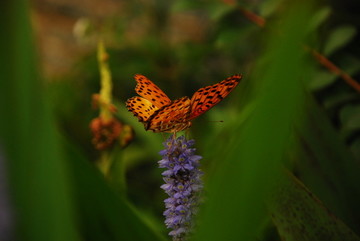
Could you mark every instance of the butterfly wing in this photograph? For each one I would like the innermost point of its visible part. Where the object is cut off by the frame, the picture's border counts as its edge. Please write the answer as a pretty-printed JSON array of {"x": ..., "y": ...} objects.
[
  {"x": 147, "y": 89},
  {"x": 141, "y": 108},
  {"x": 207, "y": 97},
  {"x": 171, "y": 118}
]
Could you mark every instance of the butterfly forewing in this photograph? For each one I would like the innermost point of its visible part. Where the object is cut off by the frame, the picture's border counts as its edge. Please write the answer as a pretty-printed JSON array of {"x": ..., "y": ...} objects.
[
  {"x": 207, "y": 97},
  {"x": 141, "y": 108},
  {"x": 147, "y": 89},
  {"x": 170, "y": 118}
]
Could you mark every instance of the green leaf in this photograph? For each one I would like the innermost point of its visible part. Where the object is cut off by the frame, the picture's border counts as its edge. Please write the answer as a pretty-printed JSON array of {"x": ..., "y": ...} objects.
[
  {"x": 104, "y": 215},
  {"x": 321, "y": 79},
  {"x": 340, "y": 98},
  {"x": 338, "y": 38},
  {"x": 318, "y": 18},
  {"x": 38, "y": 175},
  {"x": 250, "y": 159},
  {"x": 324, "y": 164},
  {"x": 300, "y": 215},
  {"x": 54, "y": 198},
  {"x": 267, "y": 8},
  {"x": 217, "y": 10},
  {"x": 350, "y": 118}
]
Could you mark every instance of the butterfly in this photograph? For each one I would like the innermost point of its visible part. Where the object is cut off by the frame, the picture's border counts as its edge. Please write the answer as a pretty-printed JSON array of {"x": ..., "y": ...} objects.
[{"x": 159, "y": 114}]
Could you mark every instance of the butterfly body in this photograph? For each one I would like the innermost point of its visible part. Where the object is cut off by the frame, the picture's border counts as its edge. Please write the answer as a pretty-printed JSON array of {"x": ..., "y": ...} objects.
[
  {"x": 171, "y": 118},
  {"x": 159, "y": 114}
]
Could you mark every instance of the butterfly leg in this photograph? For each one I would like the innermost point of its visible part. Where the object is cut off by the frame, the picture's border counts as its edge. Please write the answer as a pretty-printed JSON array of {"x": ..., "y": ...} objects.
[{"x": 174, "y": 136}]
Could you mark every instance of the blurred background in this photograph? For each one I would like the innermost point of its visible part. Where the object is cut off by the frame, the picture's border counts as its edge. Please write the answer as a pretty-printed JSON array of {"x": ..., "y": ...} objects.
[{"x": 52, "y": 188}]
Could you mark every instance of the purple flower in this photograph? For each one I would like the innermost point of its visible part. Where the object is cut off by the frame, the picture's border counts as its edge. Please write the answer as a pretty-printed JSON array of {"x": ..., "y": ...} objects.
[{"x": 182, "y": 183}]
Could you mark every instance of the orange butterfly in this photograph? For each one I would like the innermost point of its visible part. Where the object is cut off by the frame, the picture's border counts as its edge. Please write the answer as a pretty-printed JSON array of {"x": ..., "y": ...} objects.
[{"x": 159, "y": 114}]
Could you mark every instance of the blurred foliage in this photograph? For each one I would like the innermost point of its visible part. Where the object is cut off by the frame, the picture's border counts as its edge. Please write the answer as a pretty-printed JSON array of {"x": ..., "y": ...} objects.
[{"x": 294, "y": 110}]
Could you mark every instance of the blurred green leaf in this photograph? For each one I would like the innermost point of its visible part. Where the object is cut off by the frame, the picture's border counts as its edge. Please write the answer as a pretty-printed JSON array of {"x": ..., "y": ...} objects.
[
  {"x": 318, "y": 18},
  {"x": 324, "y": 164},
  {"x": 300, "y": 215},
  {"x": 267, "y": 8},
  {"x": 338, "y": 99},
  {"x": 251, "y": 158},
  {"x": 38, "y": 175},
  {"x": 321, "y": 79},
  {"x": 350, "y": 119},
  {"x": 103, "y": 214},
  {"x": 338, "y": 38},
  {"x": 54, "y": 198},
  {"x": 350, "y": 64},
  {"x": 218, "y": 9}
]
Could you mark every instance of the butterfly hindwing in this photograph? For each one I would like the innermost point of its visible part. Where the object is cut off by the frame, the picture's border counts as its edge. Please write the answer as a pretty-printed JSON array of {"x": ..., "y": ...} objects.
[
  {"x": 207, "y": 97},
  {"x": 170, "y": 118},
  {"x": 141, "y": 108},
  {"x": 147, "y": 89}
]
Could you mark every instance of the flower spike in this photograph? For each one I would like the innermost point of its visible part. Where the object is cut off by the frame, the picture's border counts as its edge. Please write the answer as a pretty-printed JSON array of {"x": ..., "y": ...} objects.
[{"x": 183, "y": 184}]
